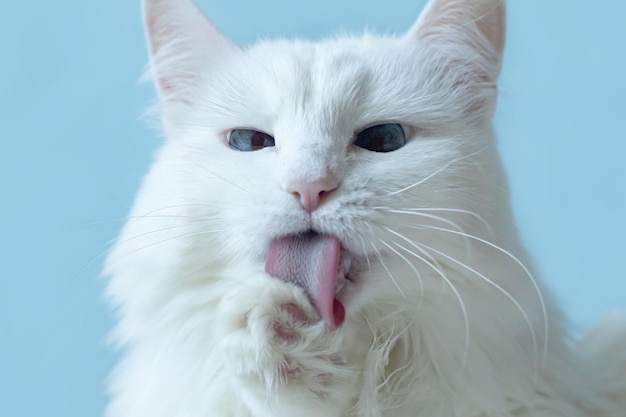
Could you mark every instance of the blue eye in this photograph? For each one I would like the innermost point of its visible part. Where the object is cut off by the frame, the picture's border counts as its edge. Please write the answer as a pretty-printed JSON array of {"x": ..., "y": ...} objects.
[
  {"x": 246, "y": 140},
  {"x": 381, "y": 138}
]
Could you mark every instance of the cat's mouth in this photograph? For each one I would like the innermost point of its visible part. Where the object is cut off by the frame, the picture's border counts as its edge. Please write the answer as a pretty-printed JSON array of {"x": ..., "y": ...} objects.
[{"x": 318, "y": 264}]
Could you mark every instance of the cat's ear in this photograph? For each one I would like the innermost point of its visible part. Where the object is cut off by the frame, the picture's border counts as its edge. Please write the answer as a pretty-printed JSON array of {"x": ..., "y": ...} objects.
[
  {"x": 478, "y": 25},
  {"x": 181, "y": 41}
]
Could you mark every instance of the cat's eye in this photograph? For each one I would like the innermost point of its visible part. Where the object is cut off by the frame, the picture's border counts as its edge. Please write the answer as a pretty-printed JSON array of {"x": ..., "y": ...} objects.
[
  {"x": 249, "y": 140},
  {"x": 387, "y": 137}
]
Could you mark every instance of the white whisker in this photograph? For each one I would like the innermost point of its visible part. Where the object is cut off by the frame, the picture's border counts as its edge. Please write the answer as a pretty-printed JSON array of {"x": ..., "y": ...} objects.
[
  {"x": 206, "y": 169},
  {"x": 367, "y": 258},
  {"x": 478, "y": 217},
  {"x": 437, "y": 218},
  {"x": 105, "y": 252},
  {"x": 146, "y": 215},
  {"x": 417, "y": 273},
  {"x": 438, "y": 171},
  {"x": 534, "y": 282},
  {"x": 382, "y": 262},
  {"x": 164, "y": 229},
  {"x": 496, "y": 286},
  {"x": 456, "y": 293},
  {"x": 125, "y": 255},
  {"x": 428, "y": 216}
]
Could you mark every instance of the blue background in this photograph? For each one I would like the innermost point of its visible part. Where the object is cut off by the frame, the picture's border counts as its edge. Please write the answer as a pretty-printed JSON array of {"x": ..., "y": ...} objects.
[{"x": 74, "y": 148}]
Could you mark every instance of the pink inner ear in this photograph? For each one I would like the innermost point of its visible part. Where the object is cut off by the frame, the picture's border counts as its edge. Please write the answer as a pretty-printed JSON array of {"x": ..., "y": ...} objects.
[
  {"x": 161, "y": 19},
  {"x": 460, "y": 19},
  {"x": 158, "y": 34},
  {"x": 181, "y": 41}
]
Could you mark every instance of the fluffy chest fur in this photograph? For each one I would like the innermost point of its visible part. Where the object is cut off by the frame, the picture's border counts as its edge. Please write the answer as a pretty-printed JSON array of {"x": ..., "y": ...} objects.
[{"x": 382, "y": 146}]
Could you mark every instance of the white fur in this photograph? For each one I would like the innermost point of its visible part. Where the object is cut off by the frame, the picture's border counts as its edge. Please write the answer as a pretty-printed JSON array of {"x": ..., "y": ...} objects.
[{"x": 445, "y": 318}]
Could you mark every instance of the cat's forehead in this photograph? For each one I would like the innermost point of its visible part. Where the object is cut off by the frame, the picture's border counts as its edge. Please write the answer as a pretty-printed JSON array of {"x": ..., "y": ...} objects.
[
  {"x": 311, "y": 76},
  {"x": 330, "y": 84},
  {"x": 343, "y": 63},
  {"x": 339, "y": 57}
]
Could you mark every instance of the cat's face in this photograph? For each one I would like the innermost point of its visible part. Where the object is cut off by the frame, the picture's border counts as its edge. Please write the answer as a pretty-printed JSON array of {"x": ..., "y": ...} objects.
[
  {"x": 314, "y": 101},
  {"x": 369, "y": 140}
]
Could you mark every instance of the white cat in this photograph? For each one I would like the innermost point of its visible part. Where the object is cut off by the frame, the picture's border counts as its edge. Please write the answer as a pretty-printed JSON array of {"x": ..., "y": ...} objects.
[{"x": 326, "y": 232}]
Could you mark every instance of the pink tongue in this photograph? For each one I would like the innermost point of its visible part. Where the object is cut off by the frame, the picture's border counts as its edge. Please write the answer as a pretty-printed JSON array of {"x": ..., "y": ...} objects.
[{"x": 310, "y": 261}]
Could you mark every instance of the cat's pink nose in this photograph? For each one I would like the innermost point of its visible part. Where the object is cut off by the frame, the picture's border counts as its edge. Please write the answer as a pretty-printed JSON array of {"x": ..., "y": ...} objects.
[{"x": 312, "y": 193}]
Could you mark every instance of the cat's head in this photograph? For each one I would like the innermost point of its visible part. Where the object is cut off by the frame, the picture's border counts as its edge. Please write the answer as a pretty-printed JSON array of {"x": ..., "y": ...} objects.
[{"x": 375, "y": 141}]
